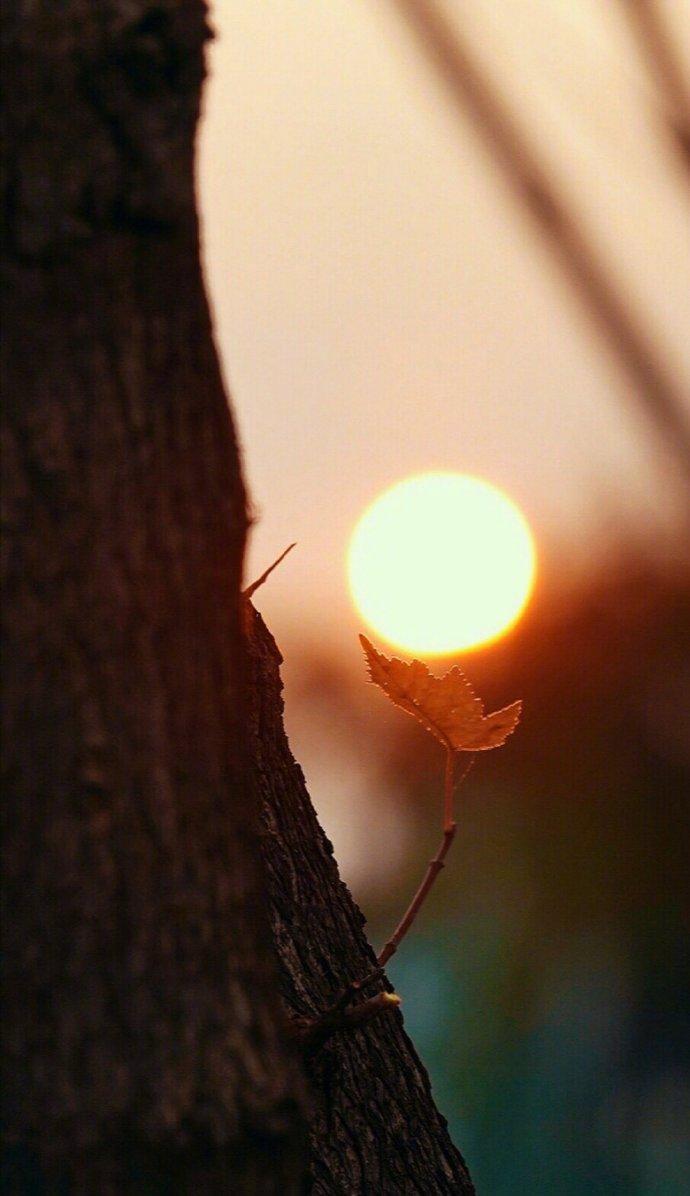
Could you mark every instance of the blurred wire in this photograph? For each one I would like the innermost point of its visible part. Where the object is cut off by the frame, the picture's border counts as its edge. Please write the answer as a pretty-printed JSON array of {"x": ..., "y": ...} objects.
[
  {"x": 473, "y": 93},
  {"x": 657, "y": 46}
]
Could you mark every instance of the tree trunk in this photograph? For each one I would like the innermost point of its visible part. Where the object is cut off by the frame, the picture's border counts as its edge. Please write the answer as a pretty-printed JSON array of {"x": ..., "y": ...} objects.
[
  {"x": 146, "y": 1045},
  {"x": 144, "y": 1040},
  {"x": 374, "y": 1127}
]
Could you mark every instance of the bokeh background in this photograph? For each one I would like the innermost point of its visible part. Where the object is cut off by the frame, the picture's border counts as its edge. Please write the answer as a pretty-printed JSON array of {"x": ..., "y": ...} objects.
[{"x": 383, "y": 307}]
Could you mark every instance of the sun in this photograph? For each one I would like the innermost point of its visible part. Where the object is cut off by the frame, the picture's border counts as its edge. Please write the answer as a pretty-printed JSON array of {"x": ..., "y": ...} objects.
[{"x": 441, "y": 563}]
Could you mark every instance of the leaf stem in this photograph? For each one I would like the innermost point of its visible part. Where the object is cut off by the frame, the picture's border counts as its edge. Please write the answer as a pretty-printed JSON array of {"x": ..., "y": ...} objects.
[
  {"x": 435, "y": 865},
  {"x": 448, "y": 792}
]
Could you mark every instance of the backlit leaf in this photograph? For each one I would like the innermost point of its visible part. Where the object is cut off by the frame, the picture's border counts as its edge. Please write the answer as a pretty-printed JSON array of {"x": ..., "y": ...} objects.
[{"x": 447, "y": 706}]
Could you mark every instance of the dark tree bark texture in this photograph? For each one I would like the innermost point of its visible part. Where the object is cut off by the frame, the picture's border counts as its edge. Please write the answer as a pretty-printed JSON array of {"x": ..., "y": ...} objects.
[
  {"x": 144, "y": 1042},
  {"x": 374, "y": 1127},
  {"x": 165, "y": 880}
]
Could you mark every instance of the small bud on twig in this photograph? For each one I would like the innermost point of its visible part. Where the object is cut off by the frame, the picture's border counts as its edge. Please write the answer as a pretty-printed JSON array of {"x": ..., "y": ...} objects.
[{"x": 312, "y": 1033}]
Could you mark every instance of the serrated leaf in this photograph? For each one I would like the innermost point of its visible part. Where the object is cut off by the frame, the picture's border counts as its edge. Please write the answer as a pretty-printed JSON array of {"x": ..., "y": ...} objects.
[{"x": 447, "y": 706}]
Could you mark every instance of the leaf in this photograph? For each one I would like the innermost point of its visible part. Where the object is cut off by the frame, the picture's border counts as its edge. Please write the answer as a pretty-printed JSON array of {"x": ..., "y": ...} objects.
[{"x": 447, "y": 706}]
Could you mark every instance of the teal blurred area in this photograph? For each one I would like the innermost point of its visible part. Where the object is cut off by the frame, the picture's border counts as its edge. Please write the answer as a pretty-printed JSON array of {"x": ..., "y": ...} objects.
[{"x": 546, "y": 981}]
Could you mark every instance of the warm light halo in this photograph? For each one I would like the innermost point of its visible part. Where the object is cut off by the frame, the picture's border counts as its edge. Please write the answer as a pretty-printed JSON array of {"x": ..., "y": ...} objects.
[{"x": 441, "y": 563}]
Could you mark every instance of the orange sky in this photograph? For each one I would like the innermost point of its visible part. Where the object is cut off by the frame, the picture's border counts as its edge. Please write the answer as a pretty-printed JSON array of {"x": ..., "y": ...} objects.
[{"x": 381, "y": 306}]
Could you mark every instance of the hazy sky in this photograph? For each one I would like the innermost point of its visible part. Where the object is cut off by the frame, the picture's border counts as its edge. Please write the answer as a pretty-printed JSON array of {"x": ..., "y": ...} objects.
[{"x": 382, "y": 307}]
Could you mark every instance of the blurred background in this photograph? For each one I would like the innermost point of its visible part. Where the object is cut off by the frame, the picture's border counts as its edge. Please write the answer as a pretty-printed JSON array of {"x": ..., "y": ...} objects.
[{"x": 383, "y": 307}]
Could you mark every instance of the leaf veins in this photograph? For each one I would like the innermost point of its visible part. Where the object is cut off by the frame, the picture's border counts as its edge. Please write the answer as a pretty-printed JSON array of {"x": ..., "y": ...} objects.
[{"x": 447, "y": 706}]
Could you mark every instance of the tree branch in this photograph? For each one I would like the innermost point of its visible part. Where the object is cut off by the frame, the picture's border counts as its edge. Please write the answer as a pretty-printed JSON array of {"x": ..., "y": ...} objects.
[
  {"x": 656, "y": 44},
  {"x": 435, "y": 865},
  {"x": 471, "y": 92}
]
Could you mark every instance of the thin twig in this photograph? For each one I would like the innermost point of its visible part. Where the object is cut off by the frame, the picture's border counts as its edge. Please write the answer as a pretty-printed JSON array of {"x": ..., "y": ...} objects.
[
  {"x": 448, "y": 809},
  {"x": 355, "y": 987},
  {"x": 657, "y": 45},
  {"x": 267, "y": 572},
  {"x": 471, "y": 92},
  {"x": 312, "y": 1033},
  {"x": 435, "y": 865}
]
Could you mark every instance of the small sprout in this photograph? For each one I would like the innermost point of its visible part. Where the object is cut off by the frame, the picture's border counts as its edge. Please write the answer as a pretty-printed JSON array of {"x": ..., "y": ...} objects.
[
  {"x": 451, "y": 711},
  {"x": 312, "y": 1033}
]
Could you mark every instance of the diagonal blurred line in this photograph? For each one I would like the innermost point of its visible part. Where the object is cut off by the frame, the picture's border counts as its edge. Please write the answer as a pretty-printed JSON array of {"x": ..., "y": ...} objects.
[
  {"x": 654, "y": 385},
  {"x": 657, "y": 46}
]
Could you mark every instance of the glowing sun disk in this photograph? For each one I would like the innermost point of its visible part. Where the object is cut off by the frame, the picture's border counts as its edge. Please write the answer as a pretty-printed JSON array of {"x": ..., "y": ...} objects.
[{"x": 440, "y": 563}]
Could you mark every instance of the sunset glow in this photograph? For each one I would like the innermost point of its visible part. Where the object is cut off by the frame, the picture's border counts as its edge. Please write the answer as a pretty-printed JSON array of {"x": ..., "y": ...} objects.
[{"x": 441, "y": 563}]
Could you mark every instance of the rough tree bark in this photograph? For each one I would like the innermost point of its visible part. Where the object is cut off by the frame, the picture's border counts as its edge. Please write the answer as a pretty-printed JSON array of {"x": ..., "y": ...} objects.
[
  {"x": 374, "y": 1127},
  {"x": 165, "y": 879}
]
